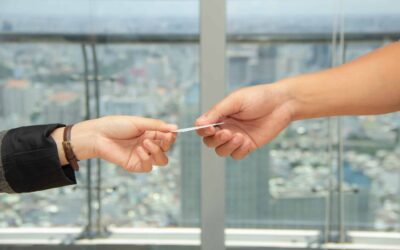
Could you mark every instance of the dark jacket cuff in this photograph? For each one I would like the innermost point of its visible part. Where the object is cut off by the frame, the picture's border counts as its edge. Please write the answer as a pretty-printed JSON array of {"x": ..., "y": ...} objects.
[{"x": 30, "y": 159}]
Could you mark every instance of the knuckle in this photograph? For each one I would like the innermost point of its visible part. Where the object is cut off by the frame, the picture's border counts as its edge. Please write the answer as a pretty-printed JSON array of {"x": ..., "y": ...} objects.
[
  {"x": 220, "y": 152},
  {"x": 207, "y": 141},
  {"x": 163, "y": 162},
  {"x": 148, "y": 169},
  {"x": 156, "y": 149},
  {"x": 146, "y": 158},
  {"x": 238, "y": 156},
  {"x": 235, "y": 156}
]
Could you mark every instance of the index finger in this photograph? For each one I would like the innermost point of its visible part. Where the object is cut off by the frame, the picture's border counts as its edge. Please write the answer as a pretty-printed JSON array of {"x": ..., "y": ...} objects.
[
  {"x": 228, "y": 106},
  {"x": 144, "y": 124},
  {"x": 207, "y": 131}
]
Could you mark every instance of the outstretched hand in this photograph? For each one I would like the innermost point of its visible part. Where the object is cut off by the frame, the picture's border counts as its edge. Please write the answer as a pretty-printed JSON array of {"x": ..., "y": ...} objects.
[
  {"x": 252, "y": 117},
  {"x": 135, "y": 143}
]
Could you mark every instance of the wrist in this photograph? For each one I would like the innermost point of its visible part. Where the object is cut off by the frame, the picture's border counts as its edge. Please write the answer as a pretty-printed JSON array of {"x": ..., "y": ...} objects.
[
  {"x": 303, "y": 101},
  {"x": 83, "y": 139},
  {"x": 57, "y": 136},
  {"x": 288, "y": 98}
]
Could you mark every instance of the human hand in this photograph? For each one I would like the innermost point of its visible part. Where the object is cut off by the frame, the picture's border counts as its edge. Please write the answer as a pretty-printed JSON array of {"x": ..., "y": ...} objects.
[
  {"x": 134, "y": 143},
  {"x": 252, "y": 117}
]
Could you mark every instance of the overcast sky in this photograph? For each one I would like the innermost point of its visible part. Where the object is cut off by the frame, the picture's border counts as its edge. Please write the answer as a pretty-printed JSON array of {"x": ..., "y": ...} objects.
[{"x": 190, "y": 8}]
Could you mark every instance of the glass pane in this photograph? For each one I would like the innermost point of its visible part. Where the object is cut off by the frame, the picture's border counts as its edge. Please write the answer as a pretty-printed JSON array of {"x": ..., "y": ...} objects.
[
  {"x": 371, "y": 164},
  {"x": 275, "y": 186},
  {"x": 371, "y": 143},
  {"x": 36, "y": 88},
  {"x": 152, "y": 81},
  {"x": 157, "y": 80},
  {"x": 100, "y": 16},
  {"x": 284, "y": 184}
]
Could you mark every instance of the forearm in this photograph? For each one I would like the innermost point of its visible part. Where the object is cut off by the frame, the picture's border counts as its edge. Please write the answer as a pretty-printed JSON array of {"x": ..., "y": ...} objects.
[
  {"x": 83, "y": 138},
  {"x": 368, "y": 85}
]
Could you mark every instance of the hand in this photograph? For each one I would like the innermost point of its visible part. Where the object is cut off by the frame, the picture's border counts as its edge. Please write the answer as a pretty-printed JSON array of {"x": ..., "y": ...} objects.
[
  {"x": 134, "y": 143},
  {"x": 253, "y": 116}
]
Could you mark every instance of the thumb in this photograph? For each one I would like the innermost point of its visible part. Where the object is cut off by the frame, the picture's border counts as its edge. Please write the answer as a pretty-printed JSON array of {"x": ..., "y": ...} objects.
[
  {"x": 144, "y": 124},
  {"x": 230, "y": 105}
]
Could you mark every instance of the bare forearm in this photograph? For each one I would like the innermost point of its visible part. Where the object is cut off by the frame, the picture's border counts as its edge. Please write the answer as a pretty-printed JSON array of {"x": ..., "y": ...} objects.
[{"x": 368, "y": 85}]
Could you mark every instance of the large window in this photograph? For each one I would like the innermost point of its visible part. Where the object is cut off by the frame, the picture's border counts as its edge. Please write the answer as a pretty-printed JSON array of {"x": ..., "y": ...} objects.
[
  {"x": 43, "y": 80},
  {"x": 321, "y": 180},
  {"x": 293, "y": 182}
]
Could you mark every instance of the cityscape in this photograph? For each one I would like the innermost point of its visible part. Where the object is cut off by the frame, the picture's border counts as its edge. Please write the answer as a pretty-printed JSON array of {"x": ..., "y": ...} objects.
[{"x": 285, "y": 184}]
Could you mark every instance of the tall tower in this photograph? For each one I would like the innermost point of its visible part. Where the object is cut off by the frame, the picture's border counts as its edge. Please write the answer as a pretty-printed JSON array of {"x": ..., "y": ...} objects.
[
  {"x": 190, "y": 160},
  {"x": 247, "y": 187}
]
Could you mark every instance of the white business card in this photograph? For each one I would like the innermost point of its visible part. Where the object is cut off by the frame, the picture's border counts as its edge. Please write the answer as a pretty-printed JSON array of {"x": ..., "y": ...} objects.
[{"x": 183, "y": 130}]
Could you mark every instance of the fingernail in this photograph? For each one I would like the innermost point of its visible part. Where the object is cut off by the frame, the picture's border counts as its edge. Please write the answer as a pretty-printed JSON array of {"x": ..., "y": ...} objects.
[
  {"x": 172, "y": 127},
  {"x": 201, "y": 119}
]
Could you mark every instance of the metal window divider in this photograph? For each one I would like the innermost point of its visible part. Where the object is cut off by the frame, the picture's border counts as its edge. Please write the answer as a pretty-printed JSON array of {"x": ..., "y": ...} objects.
[{"x": 212, "y": 90}]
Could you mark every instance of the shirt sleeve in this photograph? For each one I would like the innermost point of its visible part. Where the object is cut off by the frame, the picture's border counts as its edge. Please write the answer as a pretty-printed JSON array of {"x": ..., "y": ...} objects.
[{"x": 29, "y": 161}]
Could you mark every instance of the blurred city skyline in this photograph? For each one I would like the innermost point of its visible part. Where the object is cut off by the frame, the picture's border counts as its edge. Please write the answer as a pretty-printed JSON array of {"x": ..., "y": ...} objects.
[{"x": 289, "y": 179}]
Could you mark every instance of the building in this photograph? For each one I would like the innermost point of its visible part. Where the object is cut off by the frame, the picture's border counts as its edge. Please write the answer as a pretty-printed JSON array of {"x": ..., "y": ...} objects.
[
  {"x": 157, "y": 70},
  {"x": 247, "y": 190},
  {"x": 123, "y": 105},
  {"x": 190, "y": 160},
  {"x": 63, "y": 107},
  {"x": 239, "y": 73},
  {"x": 246, "y": 181},
  {"x": 265, "y": 67},
  {"x": 18, "y": 99}
]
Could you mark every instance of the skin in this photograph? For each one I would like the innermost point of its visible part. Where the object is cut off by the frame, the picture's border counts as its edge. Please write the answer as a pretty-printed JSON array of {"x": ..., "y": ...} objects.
[
  {"x": 255, "y": 115},
  {"x": 134, "y": 143}
]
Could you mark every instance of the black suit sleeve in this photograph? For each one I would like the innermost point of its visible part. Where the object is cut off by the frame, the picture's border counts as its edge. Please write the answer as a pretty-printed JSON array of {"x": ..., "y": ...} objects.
[{"x": 30, "y": 160}]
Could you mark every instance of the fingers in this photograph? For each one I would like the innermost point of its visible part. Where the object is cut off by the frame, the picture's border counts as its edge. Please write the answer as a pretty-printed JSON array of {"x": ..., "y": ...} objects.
[
  {"x": 242, "y": 151},
  {"x": 230, "y": 146},
  {"x": 165, "y": 140},
  {"x": 145, "y": 164},
  {"x": 207, "y": 131},
  {"x": 144, "y": 157},
  {"x": 221, "y": 137},
  {"x": 228, "y": 106},
  {"x": 227, "y": 144},
  {"x": 144, "y": 124},
  {"x": 157, "y": 154}
]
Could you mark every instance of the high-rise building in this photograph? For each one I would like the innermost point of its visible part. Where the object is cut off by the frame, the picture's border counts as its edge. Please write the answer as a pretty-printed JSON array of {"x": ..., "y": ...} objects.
[
  {"x": 190, "y": 160},
  {"x": 246, "y": 181},
  {"x": 247, "y": 190},
  {"x": 63, "y": 107},
  {"x": 19, "y": 99},
  {"x": 123, "y": 105},
  {"x": 264, "y": 69},
  {"x": 239, "y": 68},
  {"x": 157, "y": 70}
]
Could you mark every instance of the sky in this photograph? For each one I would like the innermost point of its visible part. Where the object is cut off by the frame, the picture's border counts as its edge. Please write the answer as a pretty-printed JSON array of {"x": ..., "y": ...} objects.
[{"x": 190, "y": 8}]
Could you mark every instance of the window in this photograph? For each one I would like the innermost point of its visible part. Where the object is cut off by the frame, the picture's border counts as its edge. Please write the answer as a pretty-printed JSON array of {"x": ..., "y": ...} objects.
[
  {"x": 292, "y": 182},
  {"x": 321, "y": 180},
  {"x": 43, "y": 81}
]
